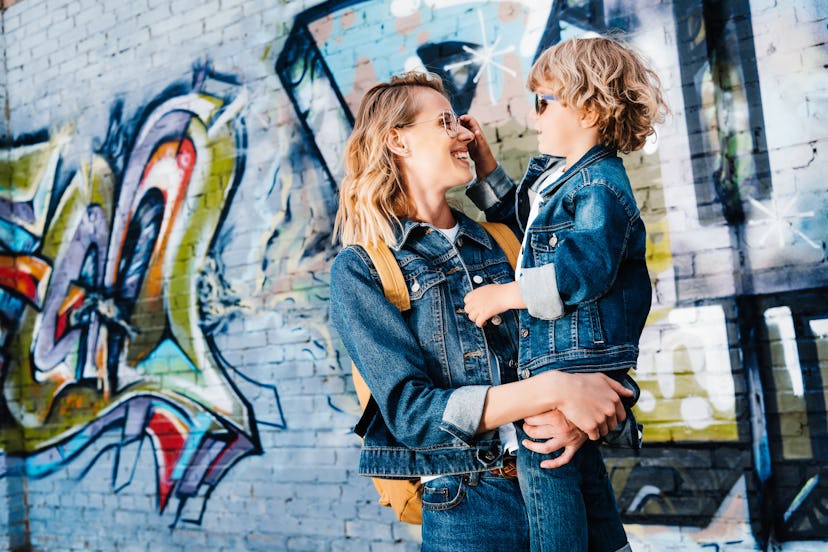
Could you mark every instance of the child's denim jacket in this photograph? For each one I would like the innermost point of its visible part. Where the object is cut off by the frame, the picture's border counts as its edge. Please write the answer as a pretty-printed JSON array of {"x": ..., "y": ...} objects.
[
  {"x": 429, "y": 368},
  {"x": 584, "y": 278}
]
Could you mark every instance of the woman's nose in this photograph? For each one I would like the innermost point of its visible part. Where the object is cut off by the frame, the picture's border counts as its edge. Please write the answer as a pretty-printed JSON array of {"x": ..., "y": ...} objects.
[{"x": 464, "y": 134}]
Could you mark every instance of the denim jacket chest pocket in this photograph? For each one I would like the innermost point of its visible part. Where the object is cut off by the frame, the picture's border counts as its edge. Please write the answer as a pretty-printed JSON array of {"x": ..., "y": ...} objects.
[
  {"x": 582, "y": 327},
  {"x": 545, "y": 240},
  {"x": 427, "y": 294}
]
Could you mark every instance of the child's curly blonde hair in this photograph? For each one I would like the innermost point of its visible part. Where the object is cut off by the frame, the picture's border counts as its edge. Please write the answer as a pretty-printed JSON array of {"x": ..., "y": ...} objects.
[{"x": 612, "y": 79}]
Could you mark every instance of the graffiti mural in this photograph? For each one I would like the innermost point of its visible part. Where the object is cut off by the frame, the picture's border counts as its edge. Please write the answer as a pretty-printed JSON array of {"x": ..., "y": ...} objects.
[
  {"x": 155, "y": 288},
  {"x": 108, "y": 298}
]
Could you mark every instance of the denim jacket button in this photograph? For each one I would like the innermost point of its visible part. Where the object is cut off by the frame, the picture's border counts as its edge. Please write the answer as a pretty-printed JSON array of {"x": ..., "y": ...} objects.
[
  {"x": 553, "y": 241},
  {"x": 477, "y": 279},
  {"x": 415, "y": 287},
  {"x": 525, "y": 374},
  {"x": 512, "y": 363},
  {"x": 524, "y": 332},
  {"x": 496, "y": 320}
]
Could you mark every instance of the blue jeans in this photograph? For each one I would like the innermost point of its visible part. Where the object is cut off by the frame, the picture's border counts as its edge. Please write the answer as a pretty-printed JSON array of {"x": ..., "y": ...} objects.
[
  {"x": 477, "y": 512},
  {"x": 571, "y": 508}
]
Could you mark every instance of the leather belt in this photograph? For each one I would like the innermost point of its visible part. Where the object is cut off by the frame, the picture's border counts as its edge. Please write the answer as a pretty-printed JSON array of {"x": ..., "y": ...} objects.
[{"x": 509, "y": 469}]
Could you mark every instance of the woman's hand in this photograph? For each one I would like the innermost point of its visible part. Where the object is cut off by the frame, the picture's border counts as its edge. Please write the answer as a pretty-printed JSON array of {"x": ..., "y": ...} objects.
[
  {"x": 591, "y": 401},
  {"x": 479, "y": 150},
  {"x": 486, "y": 301},
  {"x": 559, "y": 434}
]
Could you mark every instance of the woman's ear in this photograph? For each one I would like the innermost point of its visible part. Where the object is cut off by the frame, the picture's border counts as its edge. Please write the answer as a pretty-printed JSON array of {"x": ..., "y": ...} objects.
[{"x": 396, "y": 142}]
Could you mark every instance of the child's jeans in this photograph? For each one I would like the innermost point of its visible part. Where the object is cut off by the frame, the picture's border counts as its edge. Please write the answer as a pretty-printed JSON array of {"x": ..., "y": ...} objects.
[{"x": 571, "y": 508}]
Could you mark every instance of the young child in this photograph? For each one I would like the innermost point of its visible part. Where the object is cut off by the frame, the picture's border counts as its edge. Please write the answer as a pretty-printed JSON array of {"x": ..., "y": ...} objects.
[{"x": 582, "y": 276}]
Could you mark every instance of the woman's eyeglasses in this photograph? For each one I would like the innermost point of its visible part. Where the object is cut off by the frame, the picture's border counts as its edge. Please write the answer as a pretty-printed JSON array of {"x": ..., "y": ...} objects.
[
  {"x": 542, "y": 100},
  {"x": 450, "y": 122}
]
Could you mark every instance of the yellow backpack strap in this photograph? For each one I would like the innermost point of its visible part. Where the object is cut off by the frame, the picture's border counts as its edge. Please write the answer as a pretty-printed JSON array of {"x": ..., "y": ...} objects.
[
  {"x": 505, "y": 238},
  {"x": 390, "y": 275}
]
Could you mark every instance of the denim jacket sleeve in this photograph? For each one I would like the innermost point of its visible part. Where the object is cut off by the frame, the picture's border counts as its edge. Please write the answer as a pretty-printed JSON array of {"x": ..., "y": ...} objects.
[
  {"x": 389, "y": 358},
  {"x": 588, "y": 258},
  {"x": 495, "y": 196}
]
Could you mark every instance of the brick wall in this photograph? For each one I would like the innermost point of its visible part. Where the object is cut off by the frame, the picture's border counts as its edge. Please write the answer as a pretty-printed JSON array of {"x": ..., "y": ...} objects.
[
  {"x": 4, "y": 118},
  {"x": 168, "y": 178}
]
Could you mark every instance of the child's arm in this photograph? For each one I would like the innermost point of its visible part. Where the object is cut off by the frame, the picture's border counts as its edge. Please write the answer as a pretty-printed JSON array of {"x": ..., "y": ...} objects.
[
  {"x": 586, "y": 258},
  {"x": 587, "y": 261},
  {"x": 493, "y": 192},
  {"x": 487, "y": 301}
]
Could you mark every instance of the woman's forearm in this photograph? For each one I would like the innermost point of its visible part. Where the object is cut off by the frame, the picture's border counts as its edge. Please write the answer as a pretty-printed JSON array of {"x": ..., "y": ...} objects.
[
  {"x": 591, "y": 401},
  {"x": 511, "y": 402}
]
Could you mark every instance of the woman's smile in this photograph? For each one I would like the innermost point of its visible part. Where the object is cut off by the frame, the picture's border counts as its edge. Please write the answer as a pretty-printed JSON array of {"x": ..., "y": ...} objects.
[{"x": 462, "y": 156}]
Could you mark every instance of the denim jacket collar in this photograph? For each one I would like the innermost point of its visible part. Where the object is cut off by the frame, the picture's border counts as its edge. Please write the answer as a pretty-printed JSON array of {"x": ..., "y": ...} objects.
[
  {"x": 595, "y": 153},
  {"x": 542, "y": 163},
  {"x": 468, "y": 228}
]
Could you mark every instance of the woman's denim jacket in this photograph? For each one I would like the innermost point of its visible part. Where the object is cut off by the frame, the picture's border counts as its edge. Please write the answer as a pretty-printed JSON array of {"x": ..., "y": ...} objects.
[
  {"x": 584, "y": 278},
  {"x": 428, "y": 368}
]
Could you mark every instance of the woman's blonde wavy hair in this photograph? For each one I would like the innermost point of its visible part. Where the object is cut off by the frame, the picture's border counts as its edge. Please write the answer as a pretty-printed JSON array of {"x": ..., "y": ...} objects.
[
  {"x": 373, "y": 195},
  {"x": 603, "y": 75}
]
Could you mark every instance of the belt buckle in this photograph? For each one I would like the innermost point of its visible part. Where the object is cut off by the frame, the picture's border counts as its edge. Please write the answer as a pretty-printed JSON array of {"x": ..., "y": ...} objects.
[{"x": 508, "y": 470}]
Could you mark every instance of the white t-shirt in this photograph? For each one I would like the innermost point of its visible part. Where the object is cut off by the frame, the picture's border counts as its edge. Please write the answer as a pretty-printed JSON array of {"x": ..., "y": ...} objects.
[
  {"x": 451, "y": 233},
  {"x": 508, "y": 438}
]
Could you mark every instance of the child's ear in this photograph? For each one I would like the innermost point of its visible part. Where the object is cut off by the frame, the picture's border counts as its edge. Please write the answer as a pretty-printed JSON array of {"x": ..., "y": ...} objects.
[
  {"x": 589, "y": 117},
  {"x": 396, "y": 142}
]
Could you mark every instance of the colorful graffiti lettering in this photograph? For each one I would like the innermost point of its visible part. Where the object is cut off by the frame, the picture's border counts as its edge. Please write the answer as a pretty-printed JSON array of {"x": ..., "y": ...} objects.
[{"x": 114, "y": 265}]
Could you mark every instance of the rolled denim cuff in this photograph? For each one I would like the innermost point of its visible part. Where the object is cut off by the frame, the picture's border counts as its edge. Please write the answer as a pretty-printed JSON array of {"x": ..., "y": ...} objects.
[
  {"x": 539, "y": 290},
  {"x": 489, "y": 191},
  {"x": 464, "y": 410}
]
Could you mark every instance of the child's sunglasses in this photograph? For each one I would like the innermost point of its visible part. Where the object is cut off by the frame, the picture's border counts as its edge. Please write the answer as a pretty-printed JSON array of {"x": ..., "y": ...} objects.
[{"x": 542, "y": 100}]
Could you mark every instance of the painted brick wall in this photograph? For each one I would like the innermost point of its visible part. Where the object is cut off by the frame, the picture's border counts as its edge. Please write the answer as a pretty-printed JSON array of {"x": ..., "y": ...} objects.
[
  {"x": 168, "y": 177},
  {"x": 4, "y": 118}
]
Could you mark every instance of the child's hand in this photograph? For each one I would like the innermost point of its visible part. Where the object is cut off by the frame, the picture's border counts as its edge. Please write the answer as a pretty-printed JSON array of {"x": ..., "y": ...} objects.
[
  {"x": 479, "y": 150},
  {"x": 487, "y": 301},
  {"x": 559, "y": 434}
]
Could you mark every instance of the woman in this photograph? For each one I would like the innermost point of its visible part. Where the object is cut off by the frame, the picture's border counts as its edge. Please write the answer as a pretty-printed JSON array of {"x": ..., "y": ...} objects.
[{"x": 447, "y": 391}]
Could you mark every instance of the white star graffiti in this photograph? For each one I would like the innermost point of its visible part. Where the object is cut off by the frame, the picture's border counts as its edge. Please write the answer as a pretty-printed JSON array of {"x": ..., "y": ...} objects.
[
  {"x": 780, "y": 221},
  {"x": 485, "y": 55}
]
